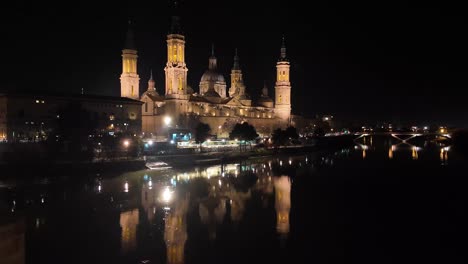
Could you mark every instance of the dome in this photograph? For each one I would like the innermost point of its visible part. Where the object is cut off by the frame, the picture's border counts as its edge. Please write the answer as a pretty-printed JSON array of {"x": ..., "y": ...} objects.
[
  {"x": 210, "y": 76},
  {"x": 211, "y": 93}
]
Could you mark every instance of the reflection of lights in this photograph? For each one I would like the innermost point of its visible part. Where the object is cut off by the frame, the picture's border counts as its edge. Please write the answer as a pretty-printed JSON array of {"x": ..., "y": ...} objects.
[
  {"x": 444, "y": 154},
  {"x": 414, "y": 153},
  {"x": 126, "y": 187},
  {"x": 42, "y": 200},
  {"x": 167, "y": 195},
  {"x": 290, "y": 161},
  {"x": 281, "y": 163},
  {"x": 150, "y": 184},
  {"x": 99, "y": 188},
  {"x": 363, "y": 153},
  {"x": 219, "y": 182}
]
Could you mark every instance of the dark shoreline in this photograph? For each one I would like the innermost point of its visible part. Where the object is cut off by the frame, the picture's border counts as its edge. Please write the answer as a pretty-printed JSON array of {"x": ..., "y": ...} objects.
[{"x": 33, "y": 169}]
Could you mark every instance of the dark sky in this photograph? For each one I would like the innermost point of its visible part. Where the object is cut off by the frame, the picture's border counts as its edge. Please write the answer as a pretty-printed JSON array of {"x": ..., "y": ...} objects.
[{"x": 384, "y": 61}]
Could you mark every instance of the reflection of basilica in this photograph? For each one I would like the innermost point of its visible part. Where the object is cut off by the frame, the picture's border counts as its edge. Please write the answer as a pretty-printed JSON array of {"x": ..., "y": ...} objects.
[
  {"x": 175, "y": 232},
  {"x": 212, "y": 212},
  {"x": 149, "y": 199},
  {"x": 128, "y": 223},
  {"x": 12, "y": 242},
  {"x": 282, "y": 204}
]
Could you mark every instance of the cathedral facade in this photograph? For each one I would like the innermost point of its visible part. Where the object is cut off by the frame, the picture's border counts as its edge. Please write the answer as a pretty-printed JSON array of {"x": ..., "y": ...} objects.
[{"x": 216, "y": 104}]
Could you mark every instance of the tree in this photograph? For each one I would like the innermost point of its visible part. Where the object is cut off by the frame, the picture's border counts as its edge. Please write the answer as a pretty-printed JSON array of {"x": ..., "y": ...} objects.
[
  {"x": 243, "y": 131},
  {"x": 202, "y": 131},
  {"x": 279, "y": 137},
  {"x": 291, "y": 132}
]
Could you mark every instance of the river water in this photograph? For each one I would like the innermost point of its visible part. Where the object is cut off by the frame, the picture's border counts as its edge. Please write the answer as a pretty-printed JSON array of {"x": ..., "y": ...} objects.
[{"x": 375, "y": 202}]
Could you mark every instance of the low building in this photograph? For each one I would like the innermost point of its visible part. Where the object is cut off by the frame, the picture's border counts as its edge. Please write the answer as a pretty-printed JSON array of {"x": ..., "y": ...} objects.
[{"x": 32, "y": 117}]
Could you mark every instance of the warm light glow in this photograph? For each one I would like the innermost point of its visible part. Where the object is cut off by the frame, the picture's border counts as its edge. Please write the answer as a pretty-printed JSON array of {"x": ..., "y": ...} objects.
[
  {"x": 167, "y": 195},
  {"x": 167, "y": 120},
  {"x": 126, "y": 143},
  {"x": 414, "y": 153},
  {"x": 126, "y": 187}
]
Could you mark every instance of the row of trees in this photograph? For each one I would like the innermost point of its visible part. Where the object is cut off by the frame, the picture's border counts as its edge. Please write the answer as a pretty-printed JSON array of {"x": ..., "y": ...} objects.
[
  {"x": 242, "y": 132},
  {"x": 246, "y": 132}
]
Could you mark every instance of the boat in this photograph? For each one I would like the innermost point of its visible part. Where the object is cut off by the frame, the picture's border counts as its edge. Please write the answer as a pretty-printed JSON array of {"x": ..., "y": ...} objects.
[{"x": 157, "y": 165}]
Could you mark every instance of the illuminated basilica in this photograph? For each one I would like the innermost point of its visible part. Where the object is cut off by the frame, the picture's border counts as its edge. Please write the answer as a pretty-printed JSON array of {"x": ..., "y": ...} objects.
[{"x": 216, "y": 104}]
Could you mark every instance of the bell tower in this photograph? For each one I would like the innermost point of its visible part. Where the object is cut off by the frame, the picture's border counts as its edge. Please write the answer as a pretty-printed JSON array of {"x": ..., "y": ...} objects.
[
  {"x": 176, "y": 69},
  {"x": 283, "y": 86},
  {"x": 129, "y": 79}
]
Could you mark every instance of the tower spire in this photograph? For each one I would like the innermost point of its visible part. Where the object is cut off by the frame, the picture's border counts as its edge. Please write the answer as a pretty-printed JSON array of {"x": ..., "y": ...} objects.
[
  {"x": 175, "y": 24},
  {"x": 151, "y": 86},
  {"x": 236, "y": 61},
  {"x": 283, "y": 51},
  {"x": 129, "y": 39},
  {"x": 212, "y": 64}
]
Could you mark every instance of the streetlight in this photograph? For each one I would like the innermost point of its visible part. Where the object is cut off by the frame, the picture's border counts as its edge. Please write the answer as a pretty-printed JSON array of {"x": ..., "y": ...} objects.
[{"x": 167, "y": 120}]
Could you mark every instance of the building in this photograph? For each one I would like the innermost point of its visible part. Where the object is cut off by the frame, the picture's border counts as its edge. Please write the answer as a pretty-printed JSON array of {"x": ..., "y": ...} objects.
[
  {"x": 215, "y": 103},
  {"x": 31, "y": 117}
]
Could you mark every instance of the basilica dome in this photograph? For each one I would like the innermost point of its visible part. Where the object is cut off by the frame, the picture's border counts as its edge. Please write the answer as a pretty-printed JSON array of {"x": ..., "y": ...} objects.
[{"x": 212, "y": 76}]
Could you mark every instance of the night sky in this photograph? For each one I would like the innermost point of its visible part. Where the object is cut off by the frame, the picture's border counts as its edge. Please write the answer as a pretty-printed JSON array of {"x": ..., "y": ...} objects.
[{"x": 384, "y": 61}]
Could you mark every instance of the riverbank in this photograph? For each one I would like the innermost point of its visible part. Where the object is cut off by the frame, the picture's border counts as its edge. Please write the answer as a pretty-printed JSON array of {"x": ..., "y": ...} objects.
[
  {"x": 34, "y": 169},
  {"x": 213, "y": 158},
  {"x": 41, "y": 167}
]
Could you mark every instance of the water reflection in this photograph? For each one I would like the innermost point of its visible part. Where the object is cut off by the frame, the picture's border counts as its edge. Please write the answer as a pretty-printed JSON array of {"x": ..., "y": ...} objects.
[
  {"x": 444, "y": 155},
  {"x": 128, "y": 224},
  {"x": 164, "y": 215},
  {"x": 282, "y": 204},
  {"x": 175, "y": 230},
  {"x": 12, "y": 244}
]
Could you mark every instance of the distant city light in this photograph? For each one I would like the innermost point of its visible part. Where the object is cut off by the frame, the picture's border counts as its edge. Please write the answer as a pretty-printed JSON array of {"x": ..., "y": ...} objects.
[
  {"x": 126, "y": 143},
  {"x": 150, "y": 142}
]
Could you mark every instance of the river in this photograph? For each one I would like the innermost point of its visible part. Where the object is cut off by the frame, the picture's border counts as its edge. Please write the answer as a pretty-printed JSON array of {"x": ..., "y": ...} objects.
[{"x": 380, "y": 201}]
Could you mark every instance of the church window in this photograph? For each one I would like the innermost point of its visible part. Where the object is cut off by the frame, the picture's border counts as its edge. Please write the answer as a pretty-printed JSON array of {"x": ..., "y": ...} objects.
[
  {"x": 180, "y": 84},
  {"x": 174, "y": 53},
  {"x": 180, "y": 52}
]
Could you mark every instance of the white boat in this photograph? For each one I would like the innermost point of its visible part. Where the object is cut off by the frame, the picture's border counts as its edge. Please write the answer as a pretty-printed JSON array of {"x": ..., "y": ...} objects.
[{"x": 157, "y": 165}]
